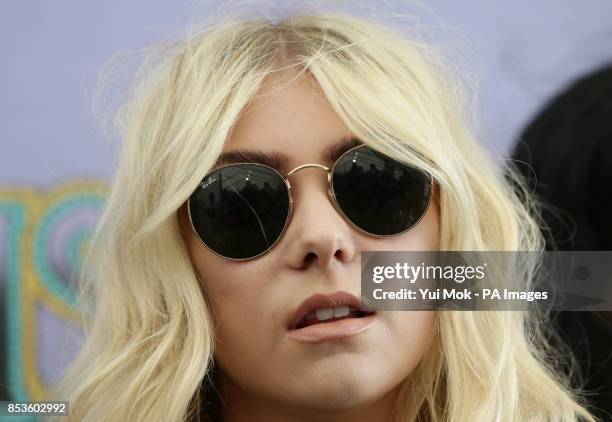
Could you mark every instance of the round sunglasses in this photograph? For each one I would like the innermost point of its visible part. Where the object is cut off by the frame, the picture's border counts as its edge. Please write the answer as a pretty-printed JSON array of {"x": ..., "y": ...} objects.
[{"x": 240, "y": 211}]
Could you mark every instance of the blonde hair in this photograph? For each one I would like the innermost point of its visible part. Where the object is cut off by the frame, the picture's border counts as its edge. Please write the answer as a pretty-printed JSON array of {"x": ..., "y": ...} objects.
[{"x": 150, "y": 343}]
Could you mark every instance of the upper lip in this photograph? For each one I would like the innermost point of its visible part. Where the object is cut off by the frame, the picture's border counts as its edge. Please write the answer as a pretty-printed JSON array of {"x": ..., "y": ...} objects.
[{"x": 322, "y": 301}]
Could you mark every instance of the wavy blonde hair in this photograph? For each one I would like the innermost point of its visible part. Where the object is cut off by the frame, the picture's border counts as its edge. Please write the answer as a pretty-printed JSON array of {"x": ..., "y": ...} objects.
[{"x": 150, "y": 341}]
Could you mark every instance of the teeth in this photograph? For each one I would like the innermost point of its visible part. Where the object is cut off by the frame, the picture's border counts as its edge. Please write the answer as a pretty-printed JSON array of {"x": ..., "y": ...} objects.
[
  {"x": 329, "y": 313},
  {"x": 341, "y": 311},
  {"x": 324, "y": 314},
  {"x": 310, "y": 316}
]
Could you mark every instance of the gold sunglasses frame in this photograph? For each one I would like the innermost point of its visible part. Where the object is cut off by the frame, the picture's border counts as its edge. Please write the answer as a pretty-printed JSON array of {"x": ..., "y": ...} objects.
[{"x": 330, "y": 192}]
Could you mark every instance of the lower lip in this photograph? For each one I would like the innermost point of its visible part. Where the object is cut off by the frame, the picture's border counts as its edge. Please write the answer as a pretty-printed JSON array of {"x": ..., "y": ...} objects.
[{"x": 342, "y": 328}]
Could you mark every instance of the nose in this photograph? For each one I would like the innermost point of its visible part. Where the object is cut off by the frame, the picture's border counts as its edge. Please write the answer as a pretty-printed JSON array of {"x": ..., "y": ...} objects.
[{"x": 317, "y": 234}]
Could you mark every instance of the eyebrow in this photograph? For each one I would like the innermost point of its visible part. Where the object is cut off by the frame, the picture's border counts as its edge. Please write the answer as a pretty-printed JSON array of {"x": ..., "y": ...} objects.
[{"x": 280, "y": 161}]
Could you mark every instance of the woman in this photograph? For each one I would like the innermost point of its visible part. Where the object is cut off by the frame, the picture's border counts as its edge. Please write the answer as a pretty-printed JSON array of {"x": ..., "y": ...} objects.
[{"x": 244, "y": 306}]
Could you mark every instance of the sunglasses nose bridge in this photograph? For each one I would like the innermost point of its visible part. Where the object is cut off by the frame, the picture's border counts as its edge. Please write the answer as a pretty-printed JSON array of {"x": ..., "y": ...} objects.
[
  {"x": 303, "y": 166},
  {"x": 327, "y": 170}
]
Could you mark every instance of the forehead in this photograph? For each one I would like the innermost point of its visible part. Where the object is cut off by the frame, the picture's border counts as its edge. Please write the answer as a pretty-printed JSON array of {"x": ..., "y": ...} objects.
[{"x": 290, "y": 115}]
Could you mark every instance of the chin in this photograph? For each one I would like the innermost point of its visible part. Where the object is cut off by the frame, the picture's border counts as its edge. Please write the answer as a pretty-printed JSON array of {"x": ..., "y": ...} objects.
[{"x": 338, "y": 389}]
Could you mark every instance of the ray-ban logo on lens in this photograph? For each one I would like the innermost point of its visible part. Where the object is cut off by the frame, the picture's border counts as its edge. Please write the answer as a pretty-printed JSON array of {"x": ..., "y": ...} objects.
[{"x": 207, "y": 183}]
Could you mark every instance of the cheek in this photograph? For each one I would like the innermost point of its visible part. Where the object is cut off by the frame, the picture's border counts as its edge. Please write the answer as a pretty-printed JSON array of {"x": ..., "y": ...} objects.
[
  {"x": 409, "y": 334},
  {"x": 413, "y": 332},
  {"x": 241, "y": 306}
]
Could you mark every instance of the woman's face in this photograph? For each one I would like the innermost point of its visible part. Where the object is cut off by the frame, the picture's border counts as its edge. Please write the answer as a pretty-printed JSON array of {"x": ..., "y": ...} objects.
[{"x": 259, "y": 358}]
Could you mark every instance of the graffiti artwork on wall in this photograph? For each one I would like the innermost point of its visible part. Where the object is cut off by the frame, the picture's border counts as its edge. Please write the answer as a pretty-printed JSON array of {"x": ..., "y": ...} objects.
[{"x": 43, "y": 235}]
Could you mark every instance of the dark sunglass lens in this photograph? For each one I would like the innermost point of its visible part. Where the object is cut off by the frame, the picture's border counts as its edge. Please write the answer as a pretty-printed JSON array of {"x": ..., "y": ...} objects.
[
  {"x": 239, "y": 211},
  {"x": 378, "y": 194}
]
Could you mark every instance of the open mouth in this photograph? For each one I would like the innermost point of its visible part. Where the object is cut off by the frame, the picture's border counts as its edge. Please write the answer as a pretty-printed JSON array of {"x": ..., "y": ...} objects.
[
  {"x": 323, "y": 317},
  {"x": 330, "y": 315}
]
